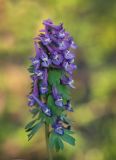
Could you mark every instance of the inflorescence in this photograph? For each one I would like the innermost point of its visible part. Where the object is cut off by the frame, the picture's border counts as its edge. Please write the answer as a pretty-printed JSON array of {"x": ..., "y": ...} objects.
[{"x": 51, "y": 74}]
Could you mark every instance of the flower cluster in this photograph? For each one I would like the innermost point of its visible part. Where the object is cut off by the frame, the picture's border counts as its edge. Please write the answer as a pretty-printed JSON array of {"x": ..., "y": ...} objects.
[{"x": 53, "y": 53}]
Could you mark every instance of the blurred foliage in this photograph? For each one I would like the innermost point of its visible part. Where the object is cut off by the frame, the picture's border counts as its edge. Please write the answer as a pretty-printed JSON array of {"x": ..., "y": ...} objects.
[{"x": 93, "y": 26}]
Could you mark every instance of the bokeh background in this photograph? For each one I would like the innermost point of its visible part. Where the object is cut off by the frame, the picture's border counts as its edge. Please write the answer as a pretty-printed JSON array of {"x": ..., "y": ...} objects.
[{"x": 93, "y": 26}]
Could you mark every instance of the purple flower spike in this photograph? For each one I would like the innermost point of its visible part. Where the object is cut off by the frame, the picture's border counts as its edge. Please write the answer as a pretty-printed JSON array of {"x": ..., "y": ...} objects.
[
  {"x": 51, "y": 69},
  {"x": 68, "y": 106}
]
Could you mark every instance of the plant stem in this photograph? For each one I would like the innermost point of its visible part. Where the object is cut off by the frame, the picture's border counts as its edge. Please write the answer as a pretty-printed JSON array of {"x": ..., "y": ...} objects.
[{"x": 47, "y": 141}]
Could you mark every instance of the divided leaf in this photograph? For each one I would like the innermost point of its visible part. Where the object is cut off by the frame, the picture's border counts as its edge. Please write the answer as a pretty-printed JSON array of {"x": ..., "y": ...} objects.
[
  {"x": 69, "y": 139},
  {"x": 64, "y": 91},
  {"x": 52, "y": 139},
  {"x": 55, "y": 141},
  {"x": 60, "y": 143},
  {"x": 29, "y": 125},
  {"x": 54, "y": 76},
  {"x": 34, "y": 129}
]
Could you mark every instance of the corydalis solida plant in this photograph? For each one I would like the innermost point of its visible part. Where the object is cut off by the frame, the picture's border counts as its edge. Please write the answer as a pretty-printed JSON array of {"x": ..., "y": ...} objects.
[{"x": 51, "y": 73}]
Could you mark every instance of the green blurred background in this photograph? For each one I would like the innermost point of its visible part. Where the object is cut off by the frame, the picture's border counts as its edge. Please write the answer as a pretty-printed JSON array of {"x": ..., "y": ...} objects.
[{"x": 93, "y": 26}]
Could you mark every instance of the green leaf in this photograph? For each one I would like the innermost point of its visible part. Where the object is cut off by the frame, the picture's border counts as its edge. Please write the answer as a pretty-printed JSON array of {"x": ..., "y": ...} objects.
[
  {"x": 54, "y": 76},
  {"x": 52, "y": 139},
  {"x": 57, "y": 145},
  {"x": 55, "y": 141},
  {"x": 34, "y": 130},
  {"x": 69, "y": 139},
  {"x": 60, "y": 143},
  {"x": 30, "y": 124},
  {"x": 64, "y": 91}
]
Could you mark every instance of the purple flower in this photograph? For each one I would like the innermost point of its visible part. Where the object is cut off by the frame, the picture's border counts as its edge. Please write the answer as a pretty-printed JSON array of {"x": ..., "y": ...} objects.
[
  {"x": 39, "y": 73},
  {"x": 35, "y": 61},
  {"x": 58, "y": 128},
  {"x": 35, "y": 92},
  {"x": 69, "y": 67},
  {"x": 57, "y": 97},
  {"x": 31, "y": 101},
  {"x": 57, "y": 59},
  {"x": 49, "y": 26},
  {"x": 61, "y": 34},
  {"x": 37, "y": 49},
  {"x": 71, "y": 61},
  {"x": 34, "y": 77},
  {"x": 35, "y": 87},
  {"x": 59, "y": 101},
  {"x": 72, "y": 43},
  {"x": 44, "y": 84},
  {"x": 45, "y": 61},
  {"x": 45, "y": 39},
  {"x": 67, "y": 81},
  {"x": 68, "y": 55},
  {"x": 43, "y": 88},
  {"x": 46, "y": 110},
  {"x": 63, "y": 45},
  {"x": 43, "y": 106},
  {"x": 68, "y": 106}
]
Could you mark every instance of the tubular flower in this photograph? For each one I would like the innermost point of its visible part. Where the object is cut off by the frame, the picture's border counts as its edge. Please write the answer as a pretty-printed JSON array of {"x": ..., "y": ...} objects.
[
  {"x": 51, "y": 74},
  {"x": 57, "y": 97},
  {"x": 58, "y": 127}
]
